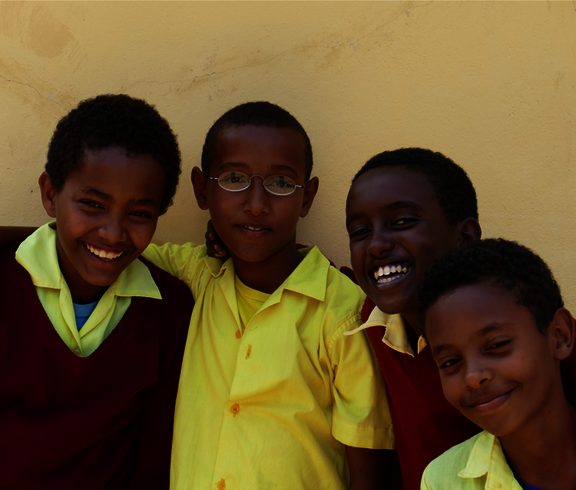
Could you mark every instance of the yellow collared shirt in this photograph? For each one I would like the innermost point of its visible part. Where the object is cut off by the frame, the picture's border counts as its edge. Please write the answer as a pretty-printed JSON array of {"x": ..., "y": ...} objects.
[
  {"x": 272, "y": 406},
  {"x": 476, "y": 464},
  {"x": 395, "y": 335},
  {"x": 38, "y": 255}
]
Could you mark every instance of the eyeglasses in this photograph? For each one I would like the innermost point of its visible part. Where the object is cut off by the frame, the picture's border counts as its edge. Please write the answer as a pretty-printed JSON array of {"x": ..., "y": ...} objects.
[{"x": 279, "y": 185}]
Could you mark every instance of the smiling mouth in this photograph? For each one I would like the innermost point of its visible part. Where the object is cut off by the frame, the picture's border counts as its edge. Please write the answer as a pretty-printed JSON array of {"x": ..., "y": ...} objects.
[
  {"x": 489, "y": 404},
  {"x": 107, "y": 256},
  {"x": 254, "y": 228},
  {"x": 390, "y": 273}
]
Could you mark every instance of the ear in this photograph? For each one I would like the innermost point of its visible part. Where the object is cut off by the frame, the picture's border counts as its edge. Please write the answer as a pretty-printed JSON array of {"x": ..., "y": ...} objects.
[
  {"x": 48, "y": 194},
  {"x": 310, "y": 191},
  {"x": 468, "y": 231},
  {"x": 562, "y": 330},
  {"x": 199, "y": 183}
]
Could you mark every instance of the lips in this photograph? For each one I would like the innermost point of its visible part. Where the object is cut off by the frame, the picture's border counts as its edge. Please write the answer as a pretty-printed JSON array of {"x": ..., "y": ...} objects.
[
  {"x": 103, "y": 254},
  {"x": 254, "y": 228},
  {"x": 489, "y": 402}
]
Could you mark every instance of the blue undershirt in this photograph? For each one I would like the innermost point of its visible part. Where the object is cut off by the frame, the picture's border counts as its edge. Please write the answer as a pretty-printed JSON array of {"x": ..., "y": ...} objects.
[{"x": 82, "y": 313}]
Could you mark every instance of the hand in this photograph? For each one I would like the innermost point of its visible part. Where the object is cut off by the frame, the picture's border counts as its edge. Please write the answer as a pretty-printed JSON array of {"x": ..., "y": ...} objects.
[{"x": 215, "y": 247}]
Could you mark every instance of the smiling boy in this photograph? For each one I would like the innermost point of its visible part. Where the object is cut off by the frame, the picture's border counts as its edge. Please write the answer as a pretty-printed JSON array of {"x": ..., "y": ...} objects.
[
  {"x": 405, "y": 209},
  {"x": 494, "y": 319},
  {"x": 92, "y": 339},
  {"x": 271, "y": 394}
]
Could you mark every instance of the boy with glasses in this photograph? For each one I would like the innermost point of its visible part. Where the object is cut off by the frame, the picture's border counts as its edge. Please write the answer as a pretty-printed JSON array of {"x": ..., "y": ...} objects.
[{"x": 271, "y": 394}]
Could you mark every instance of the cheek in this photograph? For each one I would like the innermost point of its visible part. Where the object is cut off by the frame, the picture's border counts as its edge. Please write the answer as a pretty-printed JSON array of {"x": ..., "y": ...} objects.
[
  {"x": 142, "y": 237},
  {"x": 451, "y": 389}
]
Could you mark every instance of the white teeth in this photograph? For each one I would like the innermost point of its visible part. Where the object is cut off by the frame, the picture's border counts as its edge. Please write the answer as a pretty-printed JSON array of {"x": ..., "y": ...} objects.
[
  {"x": 387, "y": 270},
  {"x": 253, "y": 229},
  {"x": 103, "y": 254}
]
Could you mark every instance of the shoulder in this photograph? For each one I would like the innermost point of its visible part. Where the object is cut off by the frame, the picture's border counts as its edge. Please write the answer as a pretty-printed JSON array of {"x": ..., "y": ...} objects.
[
  {"x": 172, "y": 289},
  {"x": 446, "y": 467},
  {"x": 8, "y": 253}
]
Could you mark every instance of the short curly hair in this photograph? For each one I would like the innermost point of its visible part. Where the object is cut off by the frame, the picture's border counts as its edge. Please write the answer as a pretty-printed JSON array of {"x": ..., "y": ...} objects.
[
  {"x": 451, "y": 185},
  {"x": 118, "y": 121},
  {"x": 261, "y": 113},
  {"x": 507, "y": 264}
]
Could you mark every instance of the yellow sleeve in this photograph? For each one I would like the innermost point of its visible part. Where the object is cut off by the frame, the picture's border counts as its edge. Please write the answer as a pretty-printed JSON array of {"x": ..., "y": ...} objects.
[
  {"x": 178, "y": 260},
  {"x": 423, "y": 484},
  {"x": 361, "y": 416}
]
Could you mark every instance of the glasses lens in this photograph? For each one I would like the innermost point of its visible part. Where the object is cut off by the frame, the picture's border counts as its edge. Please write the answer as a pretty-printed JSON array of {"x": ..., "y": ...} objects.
[
  {"x": 234, "y": 181},
  {"x": 280, "y": 185}
]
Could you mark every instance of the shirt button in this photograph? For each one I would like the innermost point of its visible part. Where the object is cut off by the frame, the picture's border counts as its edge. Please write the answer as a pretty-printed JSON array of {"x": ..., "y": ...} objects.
[
  {"x": 238, "y": 334},
  {"x": 221, "y": 485},
  {"x": 235, "y": 409},
  {"x": 76, "y": 351}
]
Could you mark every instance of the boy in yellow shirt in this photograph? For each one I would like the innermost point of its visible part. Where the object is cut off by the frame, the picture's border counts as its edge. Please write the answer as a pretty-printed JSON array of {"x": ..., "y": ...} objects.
[
  {"x": 494, "y": 319},
  {"x": 271, "y": 394}
]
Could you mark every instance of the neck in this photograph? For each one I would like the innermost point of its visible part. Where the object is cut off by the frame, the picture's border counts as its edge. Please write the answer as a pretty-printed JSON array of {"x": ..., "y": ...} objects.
[
  {"x": 411, "y": 322},
  {"x": 267, "y": 276},
  {"x": 543, "y": 453}
]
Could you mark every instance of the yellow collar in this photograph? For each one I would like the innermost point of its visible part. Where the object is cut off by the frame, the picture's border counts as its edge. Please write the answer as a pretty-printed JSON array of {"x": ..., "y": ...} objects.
[
  {"x": 301, "y": 280},
  {"x": 38, "y": 255},
  {"x": 487, "y": 458},
  {"x": 395, "y": 335}
]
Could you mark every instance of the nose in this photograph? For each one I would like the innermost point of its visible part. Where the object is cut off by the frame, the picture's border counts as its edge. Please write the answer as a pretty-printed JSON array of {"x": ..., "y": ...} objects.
[
  {"x": 476, "y": 373},
  {"x": 257, "y": 198},
  {"x": 381, "y": 242},
  {"x": 112, "y": 229}
]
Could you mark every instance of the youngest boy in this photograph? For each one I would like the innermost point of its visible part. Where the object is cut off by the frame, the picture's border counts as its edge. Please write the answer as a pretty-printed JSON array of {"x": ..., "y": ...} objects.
[
  {"x": 92, "y": 338},
  {"x": 494, "y": 319}
]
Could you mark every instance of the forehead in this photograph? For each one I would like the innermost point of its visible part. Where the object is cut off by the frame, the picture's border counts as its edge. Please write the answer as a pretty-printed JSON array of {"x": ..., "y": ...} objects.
[
  {"x": 113, "y": 172},
  {"x": 260, "y": 149},
  {"x": 474, "y": 311},
  {"x": 383, "y": 188}
]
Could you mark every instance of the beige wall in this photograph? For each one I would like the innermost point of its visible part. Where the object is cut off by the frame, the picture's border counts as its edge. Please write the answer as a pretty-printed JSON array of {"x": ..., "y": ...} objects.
[{"x": 490, "y": 84}]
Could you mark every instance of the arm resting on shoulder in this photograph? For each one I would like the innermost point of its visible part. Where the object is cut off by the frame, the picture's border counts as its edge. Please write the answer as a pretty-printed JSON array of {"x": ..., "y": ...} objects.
[
  {"x": 373, "y": 469},
  {"x": 15, "y": 234}
]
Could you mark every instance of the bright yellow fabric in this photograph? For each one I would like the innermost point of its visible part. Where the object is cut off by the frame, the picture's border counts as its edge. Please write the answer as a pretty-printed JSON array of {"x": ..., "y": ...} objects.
[
  {"x": 476, "y": 464},
  {"x": 249, "y": 301},
  {"x": 267, "y": 410},
  {"x": 37, "y": 254},
  {"x": 395, "y": 335}
]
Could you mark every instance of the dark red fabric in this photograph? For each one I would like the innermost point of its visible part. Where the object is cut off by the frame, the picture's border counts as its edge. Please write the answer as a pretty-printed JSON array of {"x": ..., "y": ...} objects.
[
  {"x": 98, "y": 422},
  {"x": 425, "y": 424}
]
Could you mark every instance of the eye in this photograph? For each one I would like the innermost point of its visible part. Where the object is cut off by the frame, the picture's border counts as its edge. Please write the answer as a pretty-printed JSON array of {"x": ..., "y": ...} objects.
[
  {"x": 357, "y": 233},
  {"x": 498, "y": 345},
  {"x": 91, "y": 205},
  {"x": 280, "y": 182},
  {"x": 404, "y": 221},
  {"x": 141, "y": 214},
  {"x": 234, "y": 178},
  {"x": 448, "y": 363}
]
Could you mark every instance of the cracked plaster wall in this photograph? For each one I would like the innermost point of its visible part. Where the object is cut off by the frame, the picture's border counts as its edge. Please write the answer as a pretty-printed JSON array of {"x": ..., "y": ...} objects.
[{"x": 490, "y": 84}]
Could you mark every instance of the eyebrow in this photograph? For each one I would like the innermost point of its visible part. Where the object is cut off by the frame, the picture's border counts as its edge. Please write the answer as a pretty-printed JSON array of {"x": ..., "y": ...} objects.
[
  {"x": 244, "y": 166},
  {"x": 392, "y": 207},
  {"x": 91, "y": 191},
  {"x": 481, "y": 333}
]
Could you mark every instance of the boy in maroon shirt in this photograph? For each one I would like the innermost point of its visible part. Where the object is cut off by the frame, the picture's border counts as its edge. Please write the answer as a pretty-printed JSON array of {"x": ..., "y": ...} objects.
[{"x": 405, "y": 209}]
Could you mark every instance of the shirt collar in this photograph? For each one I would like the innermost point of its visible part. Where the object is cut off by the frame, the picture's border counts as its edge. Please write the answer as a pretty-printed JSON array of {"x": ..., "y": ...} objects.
[
  {"x": 309, "y": 278},
  {"x": 487, "y": 458},
  {"x": 395, "y": 335},
  {"x": 38, "y": 255}
]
